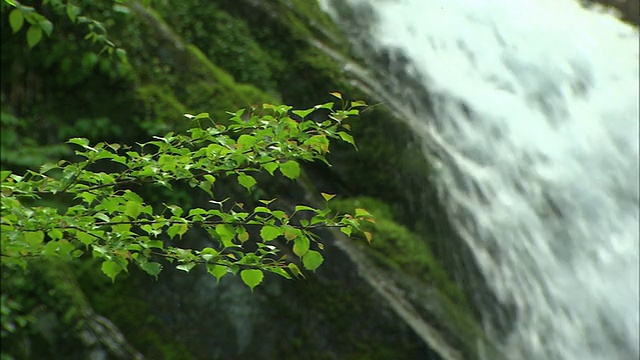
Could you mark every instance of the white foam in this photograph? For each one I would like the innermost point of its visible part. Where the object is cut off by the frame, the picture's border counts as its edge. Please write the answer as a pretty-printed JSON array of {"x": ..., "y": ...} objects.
[{"x": 561, "y": 84}]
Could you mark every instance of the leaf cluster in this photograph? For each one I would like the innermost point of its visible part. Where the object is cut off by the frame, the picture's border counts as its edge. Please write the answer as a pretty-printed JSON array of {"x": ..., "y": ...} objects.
[
  {"x": 39, "y": 25},
  {"x": 106, "y": 218}
]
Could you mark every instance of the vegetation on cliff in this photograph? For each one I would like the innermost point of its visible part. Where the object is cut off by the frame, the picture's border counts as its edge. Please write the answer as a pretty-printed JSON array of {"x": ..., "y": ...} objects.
[{"x": 166, "y": 60}]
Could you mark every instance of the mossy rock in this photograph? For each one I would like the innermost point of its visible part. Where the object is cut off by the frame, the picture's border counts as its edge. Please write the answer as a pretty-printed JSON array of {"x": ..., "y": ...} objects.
[
  {"x": 119, "y": 302},
  {"x": 408, "y": 260},
  {"x": 187, "y": 79}
]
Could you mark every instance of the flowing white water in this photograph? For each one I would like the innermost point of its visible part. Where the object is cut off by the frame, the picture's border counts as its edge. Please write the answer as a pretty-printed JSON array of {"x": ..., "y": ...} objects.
[{"x": 535, "y": 106}]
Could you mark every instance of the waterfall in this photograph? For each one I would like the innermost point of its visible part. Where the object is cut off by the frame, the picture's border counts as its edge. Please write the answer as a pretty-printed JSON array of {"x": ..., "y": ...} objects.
[{"x": 530, "y": 110}]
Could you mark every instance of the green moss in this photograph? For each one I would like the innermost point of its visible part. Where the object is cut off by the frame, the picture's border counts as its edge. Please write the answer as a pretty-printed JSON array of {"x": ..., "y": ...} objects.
[
  {"x": 58, "y": 295},
  {"x": 119, "y": 303},
  {"x": 174, "y": 76},
  {"x": 397, "y": 248},
  {"x": 283, "y": 31},
  {"x": 344, "y": 313},
  {"x": 214, "y": 87},
  {"x": 246, "y": 54},
  {"x": 225, "y": 39},
  {"x": 309, "y": 15},
  {"x": 162, "y": 108}
]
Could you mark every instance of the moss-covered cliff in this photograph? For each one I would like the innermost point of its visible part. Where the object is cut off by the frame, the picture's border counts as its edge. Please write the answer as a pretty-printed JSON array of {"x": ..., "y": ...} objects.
[{"x": 220, "y": 56}]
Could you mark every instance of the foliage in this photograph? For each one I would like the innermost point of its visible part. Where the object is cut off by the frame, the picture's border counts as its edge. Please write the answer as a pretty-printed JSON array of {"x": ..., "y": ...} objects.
[
  {"x": 38, "y": 24},
  {"x": 61, "y": 83},
  {"x": 160, "y": 89},
  {"x": 108, "y": 219},
  {"x": 399, "y": 248},
  {"x": 222, "y": 37}
]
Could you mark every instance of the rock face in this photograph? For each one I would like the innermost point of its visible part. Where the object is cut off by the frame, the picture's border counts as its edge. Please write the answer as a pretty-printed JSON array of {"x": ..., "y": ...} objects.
[
  {"x": 629, "y": 10},
  {"x": 333, "y": 314}
]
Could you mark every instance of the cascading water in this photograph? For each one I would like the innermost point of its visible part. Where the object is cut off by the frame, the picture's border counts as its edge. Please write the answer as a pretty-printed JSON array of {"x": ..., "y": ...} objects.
[{"x": 532, "y": 108}]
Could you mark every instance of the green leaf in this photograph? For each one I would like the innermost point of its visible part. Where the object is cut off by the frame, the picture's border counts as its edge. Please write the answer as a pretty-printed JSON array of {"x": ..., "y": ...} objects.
[
  {"x": 16, "y": 20},
  {"x": 327, "y": 197},
  {"x": 262, "y": 209},
  {"x": 46, "y": 26},
  {"x": 55, "y": 234},
  {"x": 217, "y": 270},
  {"x": 209, "y": 254},
  {"x": 33, "y": 238},
  {"x": 46, "y": 167},
  {"x": 358, "y": 103},
  {"x": 301, "y": 245},
  {"x": 150, "y": 230},
  {"x": 312, "y": 260},
  {"x": 134, "y": 247},
  {"x": 246, "y": 141},
  {"x": 252, "y": 277},
  {"x": 197, "y": 211},
  {"x": 290, "y": 169},
  {"x": 318, "y": 219},
  {"x": 201, "y": 116},
  {"x": 111, "y": 205},
  {"x": 4, "y": 175},
  {"x": 186, "y": 267},
  {"x": 158, "y": 244},
  {"x": 51, "y": 248},
  {"x": 271, "y": 167},
  {"x": 119, "y": 159},
  {"x": 122, "y": 54},
  {"x": 347, "y": 138},
  {"x": 328, "y": 106},
  {"x": 210, "y": 178},
  {"x": 79, "y": 141},
  {"x": 80, "y": 209},
  {"x": 73, "y": 12},
  {"x": 250, "y": 259},
  {"x": 295, "y": 270},
  {"x": 362, "y": 213},
  {"x": 291, "y": 234},
  {"x": 152, "y": 268},
  {"x": 206, "y": 187},
  {"x": 281, "y": 215},
  {"x": 304, "y": 208},
  {"x": 319, "y": 143},
  {"x": 34, "y": 35},
  {"x": 175, "y": 210},
  {"x": 243, "y": 235},
  {"x": 132, "y": 209},
  {"x": 346, "y": 230},
  {"x": 85, "y": 238},
  {"x": 279, "y": 271},
  {"x": 121, "y": 229},
  {"x": 234, "y": 269},
  {"x": 177, "y": 229},
  {"x": 65, "y": 248},
  {"x": 336, "y": 94},
  {"x": 303, "y": 113},
  {"x": 270, "y": 232},
  {"x": 246, "y": 181},
  {"x": 111, "y": 269},
  {"x": 226, "y": 233}
]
